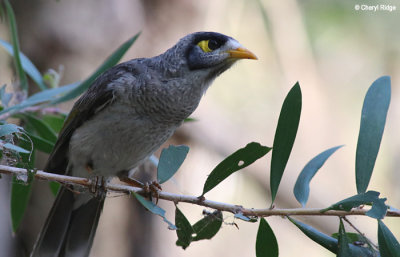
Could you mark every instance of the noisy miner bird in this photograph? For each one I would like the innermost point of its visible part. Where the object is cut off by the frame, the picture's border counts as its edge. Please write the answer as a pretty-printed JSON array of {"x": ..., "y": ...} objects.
[{"x": 123, "y": 118}]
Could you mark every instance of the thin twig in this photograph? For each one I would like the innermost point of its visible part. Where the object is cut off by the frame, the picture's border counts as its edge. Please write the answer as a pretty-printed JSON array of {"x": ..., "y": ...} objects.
[
  {"x": 360, "y": 233},
  {"x": 176, "y": 198}
]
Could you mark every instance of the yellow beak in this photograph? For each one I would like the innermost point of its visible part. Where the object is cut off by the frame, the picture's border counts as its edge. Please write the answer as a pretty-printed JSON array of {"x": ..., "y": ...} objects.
[{"x": 241, "y": 53}]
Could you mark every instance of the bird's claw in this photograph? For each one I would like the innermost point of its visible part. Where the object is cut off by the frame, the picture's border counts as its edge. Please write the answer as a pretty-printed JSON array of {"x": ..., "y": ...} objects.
[{"x": 153, "y": 189}]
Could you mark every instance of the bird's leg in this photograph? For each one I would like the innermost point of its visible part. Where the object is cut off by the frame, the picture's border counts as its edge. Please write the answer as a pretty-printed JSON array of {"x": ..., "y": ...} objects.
[{"x": 131, "y": 181}]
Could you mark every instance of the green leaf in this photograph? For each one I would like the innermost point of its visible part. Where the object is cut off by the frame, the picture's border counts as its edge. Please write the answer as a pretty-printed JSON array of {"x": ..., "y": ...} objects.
[
  {"x": 184, "y": 230},
  {"x": 208, "y": 227},
  {"x": 373, "y": 119},
  {"x": 27, "y": 65},
  {"x": 388, "y": 244},
  {"x": 236, "y": 161},
  {"x": 20, "y": 193},
  {"x": 41, "y": 144},
  {"x": 266, "y": 244},
  {"x": 41, "y": 128},
  {"x": 302, "y": 187},
  {"x": 55, "y": 122},
  {"x": 343, "y": 242},
  {"x": 285, "y": 135},
  {"x": 41, "y": 97},
  {"x": 111, "y": 61},
  {"x": 351, "y": 237},
  {"x": 14, "y": 36},
  {"x": 378, "y": 210},
  {"x": 15, "y": 148},
  {"x": 328, "y": 242},
  {"x": 8, "y": 129},
  {"x": 154, "y": 209},
  {"x": 54, "y": 187},
  {"x": 170, "y": 160}
]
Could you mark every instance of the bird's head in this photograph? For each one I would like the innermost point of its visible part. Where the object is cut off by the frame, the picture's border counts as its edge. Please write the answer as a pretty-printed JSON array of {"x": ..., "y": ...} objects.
[{"x": 210, "y": 53}]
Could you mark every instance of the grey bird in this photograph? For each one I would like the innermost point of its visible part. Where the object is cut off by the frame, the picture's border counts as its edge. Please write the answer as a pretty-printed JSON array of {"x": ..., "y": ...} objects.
[{"x": 123, "y": 118}]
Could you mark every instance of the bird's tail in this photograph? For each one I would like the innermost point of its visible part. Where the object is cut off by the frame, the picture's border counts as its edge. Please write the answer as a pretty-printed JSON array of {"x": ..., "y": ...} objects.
[{"x": 68, "y": 231}]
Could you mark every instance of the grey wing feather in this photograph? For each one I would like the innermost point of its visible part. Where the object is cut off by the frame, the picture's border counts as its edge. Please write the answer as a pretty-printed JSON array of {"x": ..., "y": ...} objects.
[{"x": 96, "y": 98}]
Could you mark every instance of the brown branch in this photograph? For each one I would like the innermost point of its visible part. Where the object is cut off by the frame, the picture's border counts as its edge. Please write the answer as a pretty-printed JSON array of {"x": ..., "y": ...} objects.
[{"x": 176, "y": 198}]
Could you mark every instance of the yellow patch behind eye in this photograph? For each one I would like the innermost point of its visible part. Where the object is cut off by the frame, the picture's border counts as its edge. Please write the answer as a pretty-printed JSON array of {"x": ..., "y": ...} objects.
[{"x": 204, "y": 46}]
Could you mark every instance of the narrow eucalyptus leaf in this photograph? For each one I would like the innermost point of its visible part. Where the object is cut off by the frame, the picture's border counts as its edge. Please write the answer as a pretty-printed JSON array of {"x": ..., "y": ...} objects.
[
  {"x": 55, "y": 122},
  {"x": 343, "y": 242},
  {"x": 328, "y": 242},
  {"x": 15, "y": 43},
  {"x": 302, "y": 187},
  {"x": 388, "y": 244},
  {"x": 27, "y": 65},
  {"x": 41, "y": 144},
  {"x": 285, "y": 135},
  {"x": 112, "y": 60},
  {"x": 373, "y": 119},
  {"x": 266, "y": 244},
  {"x": 39, "y": 98},
  {"x": 20, "y": 192},
  {"x": 41, "y": 128},
  {"x": 15, "y": 148}
]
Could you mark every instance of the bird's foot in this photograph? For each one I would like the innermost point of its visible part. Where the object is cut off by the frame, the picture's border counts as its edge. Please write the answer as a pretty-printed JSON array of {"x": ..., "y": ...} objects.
[
  {"x": 98, "y": 186},
  {"x": 151, "y": 189}
]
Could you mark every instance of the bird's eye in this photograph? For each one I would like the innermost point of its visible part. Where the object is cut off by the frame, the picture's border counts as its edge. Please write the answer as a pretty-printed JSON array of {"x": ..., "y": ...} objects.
[{"x": 208, "y": 45}]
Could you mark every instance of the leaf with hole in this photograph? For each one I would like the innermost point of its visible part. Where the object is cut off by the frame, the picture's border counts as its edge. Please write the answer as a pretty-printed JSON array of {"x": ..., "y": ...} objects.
[
  {"x": 208, "y": 227},
  {"x": 373, "y": 119},
  {"x": 377, "y": 211},
  {"x": 266, "y": 244},
  {"x": 302, "y": 187},
  {"x": 236, "y": 161},
  {"x": 171, "y": 159},
  {"x": 285, "y": 135}
]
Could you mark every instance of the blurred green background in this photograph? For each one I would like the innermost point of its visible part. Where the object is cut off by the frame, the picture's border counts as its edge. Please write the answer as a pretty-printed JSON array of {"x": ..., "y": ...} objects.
[{"x": 333, "y": 50}]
